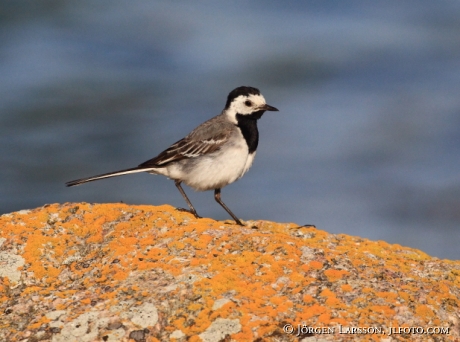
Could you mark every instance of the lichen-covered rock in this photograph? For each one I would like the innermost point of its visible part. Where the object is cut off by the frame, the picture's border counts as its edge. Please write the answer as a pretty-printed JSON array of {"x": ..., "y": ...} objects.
[{"x": 115, "y": 272}]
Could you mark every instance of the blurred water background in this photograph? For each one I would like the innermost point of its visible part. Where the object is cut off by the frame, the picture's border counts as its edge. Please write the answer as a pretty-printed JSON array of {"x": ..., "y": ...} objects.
[{"x": 367, "y": 140}]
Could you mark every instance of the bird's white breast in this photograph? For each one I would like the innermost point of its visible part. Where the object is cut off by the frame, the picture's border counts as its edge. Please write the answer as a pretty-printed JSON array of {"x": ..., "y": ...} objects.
[{"x": 216, "y": 170}]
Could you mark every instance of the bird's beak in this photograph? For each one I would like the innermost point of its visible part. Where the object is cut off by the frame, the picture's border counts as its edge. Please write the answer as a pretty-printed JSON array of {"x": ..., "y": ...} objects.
[{"x": 269, "y": 108}]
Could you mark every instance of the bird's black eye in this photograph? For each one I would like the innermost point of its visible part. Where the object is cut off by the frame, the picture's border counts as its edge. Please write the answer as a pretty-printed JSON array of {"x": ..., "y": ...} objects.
[{"x": 248, "y": 103}]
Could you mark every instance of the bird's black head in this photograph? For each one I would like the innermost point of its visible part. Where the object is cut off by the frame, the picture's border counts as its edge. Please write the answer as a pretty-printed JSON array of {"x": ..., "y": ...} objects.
[{"x": 240, "y": 91}]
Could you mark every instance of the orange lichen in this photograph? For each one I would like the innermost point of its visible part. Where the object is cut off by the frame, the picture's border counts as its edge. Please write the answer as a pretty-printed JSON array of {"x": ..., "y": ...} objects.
[
  {"x": 86, "y": 301},
  {"x": 367, "y": 290},
  {"x": 334, "y": 302},
  {"x": 38, "y": 324},
  {"x": 425, "y": 312},
  {"x": 194, "y": 307},
  {"x": 384, "y": 309},
  {"x": 388, "y": 296},
  {"x": 81, "y": 257},
  {"x": 346, "y": 287},
  {"x": 334, "y": 275},
  {"x": 308, "y": 299},
  {"x": 317, "y": 265}
]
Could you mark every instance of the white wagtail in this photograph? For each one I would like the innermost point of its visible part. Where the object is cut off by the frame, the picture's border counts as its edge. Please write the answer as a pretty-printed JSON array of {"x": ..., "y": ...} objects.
[{"x": 213, "y": 155}]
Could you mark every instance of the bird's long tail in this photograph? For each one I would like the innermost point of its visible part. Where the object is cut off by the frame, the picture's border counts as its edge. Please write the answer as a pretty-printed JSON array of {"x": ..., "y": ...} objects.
[{"x": 108, "y": 175}]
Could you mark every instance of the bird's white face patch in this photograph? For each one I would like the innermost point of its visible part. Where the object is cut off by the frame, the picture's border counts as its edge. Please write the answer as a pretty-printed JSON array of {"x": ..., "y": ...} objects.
[{"x": 245, "y": 105}]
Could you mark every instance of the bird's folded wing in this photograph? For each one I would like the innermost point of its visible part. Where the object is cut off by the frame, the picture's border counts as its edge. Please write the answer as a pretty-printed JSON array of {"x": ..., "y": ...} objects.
[{"x": 188, "y": 147}]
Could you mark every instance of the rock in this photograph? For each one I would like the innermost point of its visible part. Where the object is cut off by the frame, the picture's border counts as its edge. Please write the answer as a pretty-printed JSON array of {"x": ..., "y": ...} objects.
[
  {"x": 144, "y": 316},
  {"x": 9, "y": 265},
  {"x": 138, "y": 335},
  {"x": 219, "y": 329},
  {"x": 114, "y": 272}
]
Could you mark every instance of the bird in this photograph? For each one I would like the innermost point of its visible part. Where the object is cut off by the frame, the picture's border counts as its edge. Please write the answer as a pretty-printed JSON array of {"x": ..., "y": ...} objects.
[{"x": 215, "y": 154}]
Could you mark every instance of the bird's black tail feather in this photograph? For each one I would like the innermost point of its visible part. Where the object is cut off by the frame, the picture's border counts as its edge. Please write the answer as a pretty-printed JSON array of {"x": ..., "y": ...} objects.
[{"x": 108, "y": 175}]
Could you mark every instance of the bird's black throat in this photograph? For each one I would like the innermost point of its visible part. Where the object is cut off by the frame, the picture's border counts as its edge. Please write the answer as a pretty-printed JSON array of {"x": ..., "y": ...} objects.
[{"x": 248, "y": 127}]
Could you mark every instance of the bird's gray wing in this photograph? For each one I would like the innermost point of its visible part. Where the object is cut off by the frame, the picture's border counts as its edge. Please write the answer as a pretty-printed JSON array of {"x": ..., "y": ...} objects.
[{"x": 205, "y": 139}]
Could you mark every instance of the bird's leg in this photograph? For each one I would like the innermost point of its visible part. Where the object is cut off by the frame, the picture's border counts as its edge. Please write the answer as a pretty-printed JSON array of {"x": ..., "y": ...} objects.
[
  {"x": 218, "y": 200},
  {"x": 192, "y": 209}
]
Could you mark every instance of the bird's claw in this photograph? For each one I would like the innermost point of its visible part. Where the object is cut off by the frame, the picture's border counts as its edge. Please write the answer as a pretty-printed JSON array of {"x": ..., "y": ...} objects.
[{"x": 189, "y": 211}]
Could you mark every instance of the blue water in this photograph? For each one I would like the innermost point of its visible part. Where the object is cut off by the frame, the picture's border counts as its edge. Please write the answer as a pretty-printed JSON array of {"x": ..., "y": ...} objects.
[{"x": 367, "y": 140}]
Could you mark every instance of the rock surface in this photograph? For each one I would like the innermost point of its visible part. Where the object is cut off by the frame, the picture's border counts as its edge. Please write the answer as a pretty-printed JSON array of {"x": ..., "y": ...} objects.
[{"x": 116, "y": 272}]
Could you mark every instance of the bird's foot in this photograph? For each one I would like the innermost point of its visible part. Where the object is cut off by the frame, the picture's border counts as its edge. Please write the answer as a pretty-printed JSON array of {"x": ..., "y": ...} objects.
[
  {"x": 307, "y": 226},
  {"x": 189, "y": 211},
  {"x": 238, "y": 222}
]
